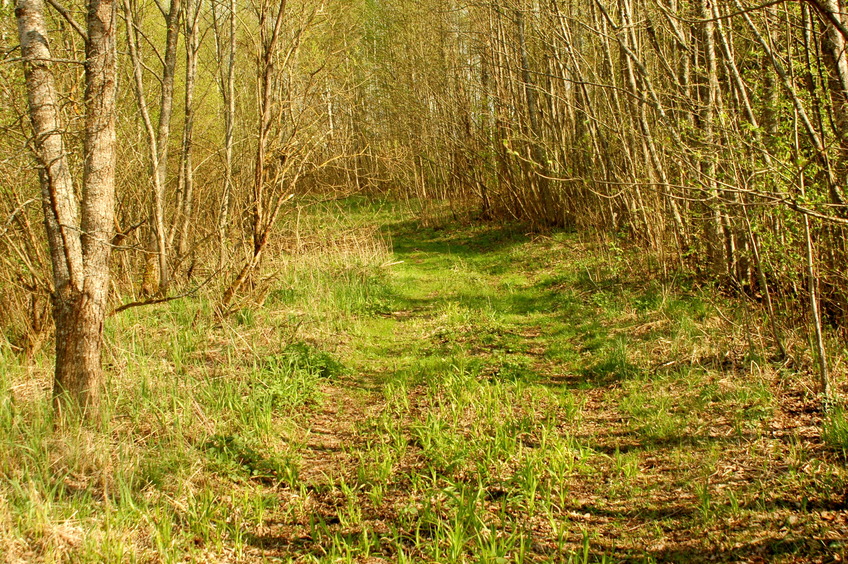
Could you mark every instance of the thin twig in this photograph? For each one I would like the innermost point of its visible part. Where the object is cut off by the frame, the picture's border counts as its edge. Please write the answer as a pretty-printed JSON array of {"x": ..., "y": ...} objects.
[
  {"x": 154, "y": 301},
  {"x": 68, "y": 17}
]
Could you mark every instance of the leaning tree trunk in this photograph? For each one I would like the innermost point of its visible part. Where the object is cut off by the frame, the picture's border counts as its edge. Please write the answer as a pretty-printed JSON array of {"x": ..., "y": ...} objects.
[
  {"x": 185, "y": 196},
  {"x": 78, "y": 232},
  {"x": 836, "y": 59},
  {"x": 163, "y": 134}
]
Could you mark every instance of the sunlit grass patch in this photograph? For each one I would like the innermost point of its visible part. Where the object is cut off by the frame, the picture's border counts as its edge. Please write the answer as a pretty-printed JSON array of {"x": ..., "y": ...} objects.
[{"x": 613, "y": 365}]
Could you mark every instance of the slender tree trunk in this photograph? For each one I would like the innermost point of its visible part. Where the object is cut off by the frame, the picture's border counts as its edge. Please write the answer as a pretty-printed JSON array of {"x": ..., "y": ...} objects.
[
  {"x": 736, "y": 77},
  {"x": 163, "y": 135},
  {"x": 812, "y": 288},
  {"x": 539, "y": 177},
  {"x": 717, "y": 251},
  {"x": 185, "y": 207},
  {"x": 836, "y": 59},
  {"x": 263, "y": 216},
  {"x": 158, "y": 138},
  {"x": 790, "y": 90},
  {"x": 269, "y": 40},
  {"x": 227, "y": 86}
]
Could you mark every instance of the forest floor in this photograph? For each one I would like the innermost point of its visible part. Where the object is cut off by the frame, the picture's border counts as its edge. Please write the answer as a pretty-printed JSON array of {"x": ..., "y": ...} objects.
[{"x": 463, "y": 392}]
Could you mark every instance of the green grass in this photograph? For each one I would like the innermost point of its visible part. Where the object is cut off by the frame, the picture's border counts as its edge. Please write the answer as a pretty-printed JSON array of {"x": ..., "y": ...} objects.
[
  {"x": 835, "y": 430},
  {"x": 460, "y": 393}
]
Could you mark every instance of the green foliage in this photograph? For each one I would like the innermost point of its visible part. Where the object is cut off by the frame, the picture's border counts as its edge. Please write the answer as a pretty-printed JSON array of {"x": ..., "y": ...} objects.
[{"x": 304, "y": 358}]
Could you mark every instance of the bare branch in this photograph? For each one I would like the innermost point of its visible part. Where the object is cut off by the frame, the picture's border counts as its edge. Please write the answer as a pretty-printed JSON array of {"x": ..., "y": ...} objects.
[{"x": 69, "y": 18}]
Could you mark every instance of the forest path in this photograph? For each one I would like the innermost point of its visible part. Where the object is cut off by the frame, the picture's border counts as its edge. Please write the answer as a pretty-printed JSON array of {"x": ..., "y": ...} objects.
[
  {"x": 513, "y": 398},
  {"x": 449, "y": 295}
]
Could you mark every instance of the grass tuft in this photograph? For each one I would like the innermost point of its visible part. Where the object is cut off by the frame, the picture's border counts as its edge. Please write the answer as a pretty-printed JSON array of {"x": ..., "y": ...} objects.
[{"x": 835, "y": 429}]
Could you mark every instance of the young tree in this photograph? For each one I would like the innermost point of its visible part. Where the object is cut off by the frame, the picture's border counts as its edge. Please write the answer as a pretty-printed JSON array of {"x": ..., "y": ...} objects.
[
  {"x": 270, "y": 31},
  {"x": 225, "y": 50},
  {"x": 157, "y": 137},
  {"x": 79, "y": 228}
]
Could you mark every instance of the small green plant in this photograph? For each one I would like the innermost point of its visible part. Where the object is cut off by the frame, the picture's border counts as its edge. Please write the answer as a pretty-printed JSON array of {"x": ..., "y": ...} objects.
[
  {"x": 733, "y": 502},
  {"x": 246, "y": 317},
  {"x": 615, "y": 365},
  {"x": 626, "y": 464},
  {"x": 236, "y": 457},
  {"x": 306, "y": 358},
  {"x": 654, "y": 414},
  {"x": 705, "y": 500}
]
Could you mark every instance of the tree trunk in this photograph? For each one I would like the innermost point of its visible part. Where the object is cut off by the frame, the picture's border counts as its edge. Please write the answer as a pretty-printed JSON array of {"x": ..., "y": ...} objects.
[
  {"x": 185, "y": 203},
  {"x": 79, "y": 233},
  {"x": 163, "y": 134},
  {"x": 538, "y": 178},
  {"x": 837, "y": 61},
  {"x": 226, "y": 83},
  {"x": 263, "y": 215},
  {"x": 158, "y": 139}
]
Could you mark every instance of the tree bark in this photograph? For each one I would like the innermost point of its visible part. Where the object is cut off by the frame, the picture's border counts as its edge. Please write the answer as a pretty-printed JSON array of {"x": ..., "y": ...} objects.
[
  {"x": 185, "y": 195},
  {"x": 163, "y": 134},
  {"x": 263, "y": 215},
  {"x": 837, "y": 61}
]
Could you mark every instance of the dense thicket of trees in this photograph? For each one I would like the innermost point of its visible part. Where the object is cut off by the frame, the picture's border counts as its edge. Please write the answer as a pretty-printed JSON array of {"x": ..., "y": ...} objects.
[
  {"x": 714, "y": 134},
  {"x": 711, "y": 133}
]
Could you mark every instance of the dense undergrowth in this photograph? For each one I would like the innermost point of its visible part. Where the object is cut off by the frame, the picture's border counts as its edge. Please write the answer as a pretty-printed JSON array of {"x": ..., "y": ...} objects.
[{"x": 459, "y": 392}]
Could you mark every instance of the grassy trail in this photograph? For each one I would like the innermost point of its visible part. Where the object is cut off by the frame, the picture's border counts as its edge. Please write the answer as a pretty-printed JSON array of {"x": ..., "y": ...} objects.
[
  {"x": 395, "y": 393},
  {"x": 512, "y": 399}
]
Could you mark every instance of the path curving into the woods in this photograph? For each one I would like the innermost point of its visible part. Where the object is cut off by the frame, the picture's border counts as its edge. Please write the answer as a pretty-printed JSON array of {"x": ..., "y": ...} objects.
[{"x": 515, "y": 398}]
